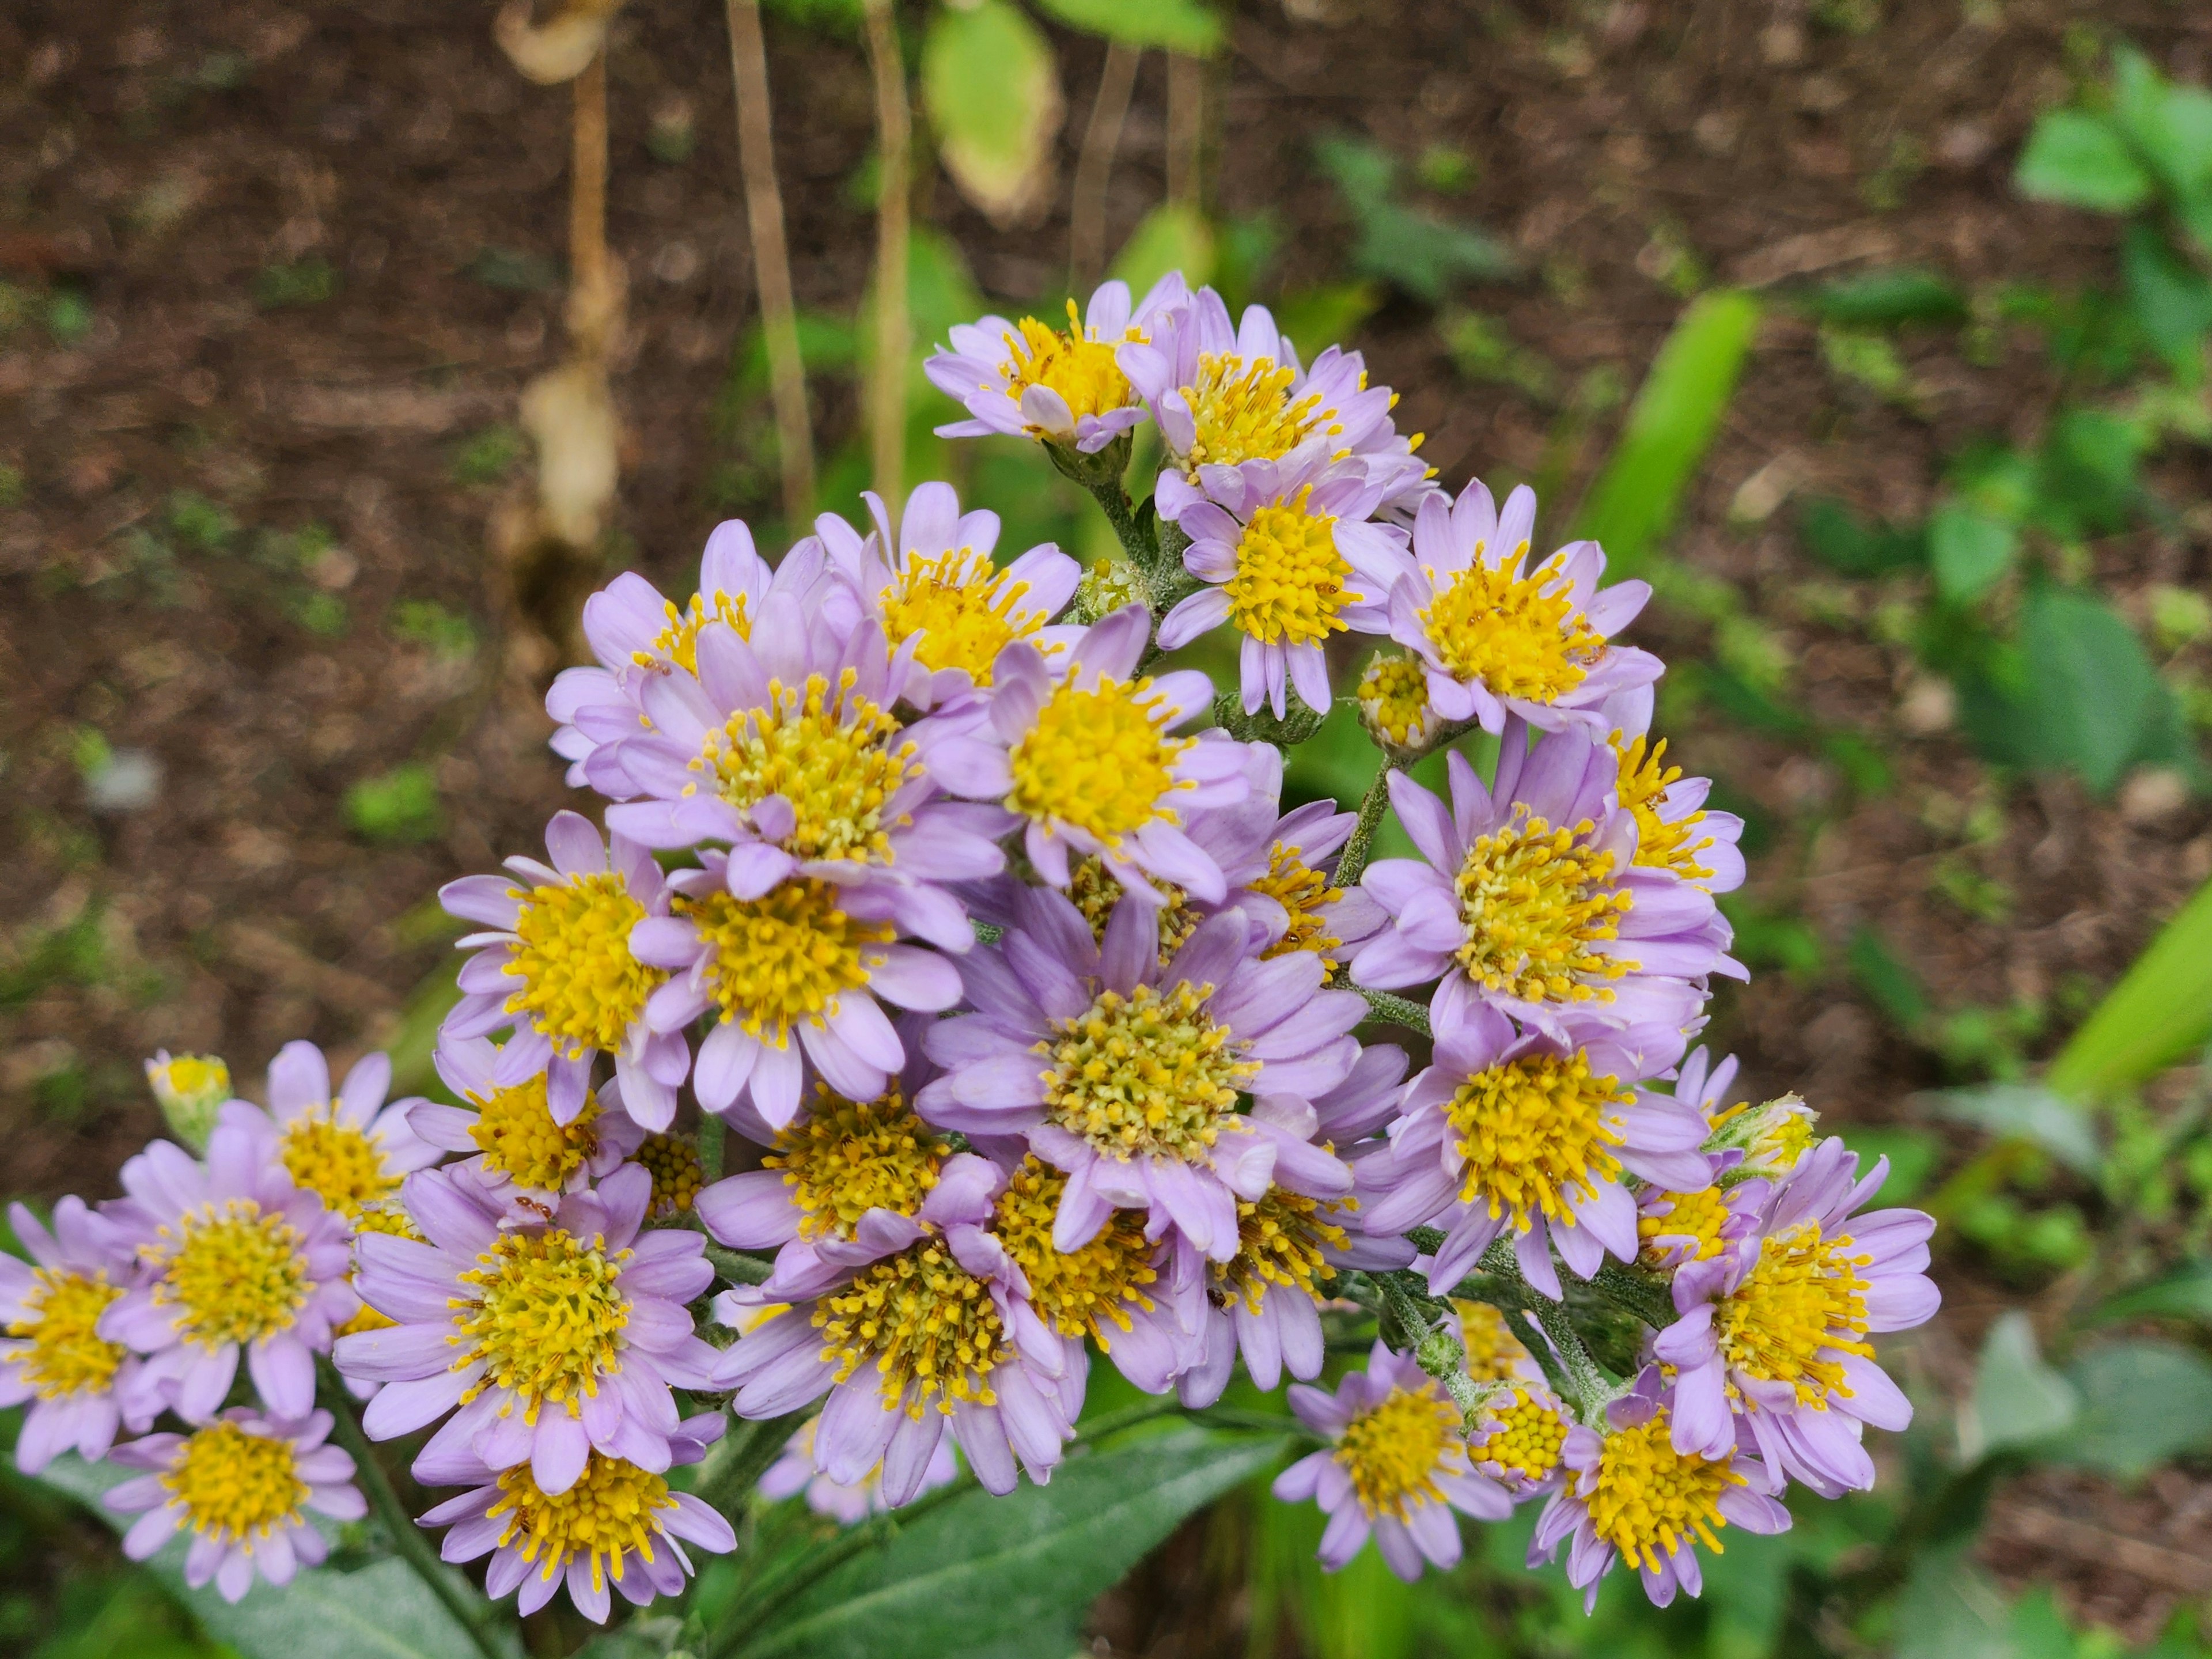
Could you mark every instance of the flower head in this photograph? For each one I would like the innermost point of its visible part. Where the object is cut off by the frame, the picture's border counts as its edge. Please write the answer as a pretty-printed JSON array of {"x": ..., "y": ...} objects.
[
  {"x": 793, "y": 1474},
  {"x": 1675, "y": 830},
  {"x": 512, "y": 1145},
  {"x": 241, "y": 1488},
  {"x": 190, "y": 1089},
  {"x": 52, "y": 1351},
  {"x": 1521, "y": 1435},
  {"x": 346, "y": 1147},
  {"x": 1394, "y": 704}
]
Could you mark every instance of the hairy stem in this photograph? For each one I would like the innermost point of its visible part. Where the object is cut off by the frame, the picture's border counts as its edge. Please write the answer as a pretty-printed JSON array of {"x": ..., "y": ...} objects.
[
  {"x": 711, "y": 1138},
  {"x": 1351, "y": 863},
  {"x": 1094, "y": 165},
  {"x": 1114, "y": 501},
  {"x": 894, "y": 205},
  {"x": 737, "y": 1269},
  {"x": 1397, "y": 1010},
  {"x": 744, "y": 1456}
]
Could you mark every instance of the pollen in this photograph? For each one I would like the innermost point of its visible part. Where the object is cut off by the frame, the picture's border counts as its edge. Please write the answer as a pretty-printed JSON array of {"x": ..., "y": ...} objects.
[
  {"x": 1072, "y": 362},
  {"x": 612, "y": 1511},
  {"x": 927, "y": 1324},
  {"x": 1529, "y": 1437},
  {"x": 1798, "y": 1313},
  {"x": 1539, "y": 904},
  {"x": 1534, "y": 1133},
  {"x": 1391, "y": 1453},
  {"x": 545, "y": 1311},
  {"x": 1094, "y": 893},
  {"x": 515, "y": 1131},
  {"x": 1644, "y": 780},
  {"x": 1690, "y": 1225},
  {"x": 1077, "y": 1293},
  {"x": 1147, "y": 1074},
  {"x": 673, "y": 1162},
  {"x": 962, "y": 607},
  {"x": 1243, "y": 411},
  {"x": 1279, "y": 1240},
  {"x": 1520, "y": 636},
  {"x": 234, "y": 1272},
  {"x": 1289, "y": 584},
  {"x": 1305, "y": 894},
  {"x": 327, "y": 1155},
  {"x": 832, "y": 753},
  {"x": 581, "y": 985},
  {"x": 846, "y": 1158},
  {"x": 678, "y": 642},
  {"x": 1650, "y": 1500},
  {"x": 1393, "y": 701},
  {"x": 1097, "y": 758},
  {"x": 784, "y": 959},
  {"x": 236, "y": 1487},
  {"x": 67, "y": 1355},
  {"x": 1494, "y": 1354}
]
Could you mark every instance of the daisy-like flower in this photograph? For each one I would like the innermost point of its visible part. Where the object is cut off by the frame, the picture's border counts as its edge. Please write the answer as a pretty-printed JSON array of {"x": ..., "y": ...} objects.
[
  {"x": 52, "y": 1353},
  {"x": 1533, "y": 1135},
  {"x": 1628, "y": 1494},
  {"x": 1772, "y": 1336},
  {"x": 556, "y": 966},
  {"x": 1395, "y": 1468},
  {"x": 1126, "y": 1073},
  {"x": 1281, "y": 869},
  {"x": 930, "y": 1334},
  {"x": 240, "y": 1257},
  {"x": 1675, "y": 830},
  {"x": 678, "y": 1175},
  {"x": 511, "y": 1141},
  {"x": 1029, "y": 380},
  {"x": 556, "y": 1337},
  {"x": 1289, "y": 556},
  {"x": 934, "y": 583},
  {"x": 349, "y": 1148},
  {"x": 241, "y": 1488},
  {"x": 615, "y": 1527},
  {"x": 793, "y": 1474},
  {"x": 1088, "y": 763},
  {"x": 1526, "y": 899},
  {"x": 1494, "y": 639}
]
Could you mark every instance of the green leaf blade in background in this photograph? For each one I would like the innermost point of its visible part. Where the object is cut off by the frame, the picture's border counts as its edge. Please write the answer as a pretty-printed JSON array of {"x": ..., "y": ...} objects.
[
  {"x": 2142, "y": 1402},
  {"x": 2077, "y": 159},
  {"x": 1969, "y": 550},
  {"x": 1178, "y": 26},
  {"x": 2019, "y": 1399},
  {"x": 2159, "y": 1013},
  {"x": 991, "y": 86},
  {"x": 2090, "y": 700}
]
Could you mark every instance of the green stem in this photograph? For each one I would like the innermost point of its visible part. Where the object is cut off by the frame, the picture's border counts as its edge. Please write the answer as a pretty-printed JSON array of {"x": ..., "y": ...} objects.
[
  {"x": 1113, "y": 501},
  {"x": 738, "y": 1269},
  {"x": 745, "y": 1453},
  {"x": 1397, "y": 1010},
  {"x": 472, "y": 1611},
  {"x": 1636, "y": 1292},
  {"x": 1351, "y": 863},
  {"x": 710, "y": 1149}
]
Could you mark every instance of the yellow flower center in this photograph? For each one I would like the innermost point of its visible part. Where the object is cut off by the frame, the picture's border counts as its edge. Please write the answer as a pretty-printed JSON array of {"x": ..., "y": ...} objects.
[
  {"x": 1147, "y": 1073},
  {"x": 1393, "y": 1451},
  {"x": 1697, "y": 1217},
  {"x": 1520, "y": 636},
  {"x": 784, "y": 959},
  {"x": 1305, "y": 895},
  {"x": 1290, "y": 578},
  {"x": 614, "y": 1510},
  {"x": 1645, "y": 779},
  {"x": 1536, "y": 903},
  {"x": 581, "y": 985},
  {"x": 962, "y": 607},
  {"x": 1278, "y": 1242},
  {"x": 678, "y": 642},
  {"x": 236, "y": 1273},
  {"x": 926, "y": 1322},
  {"x": 1071, "y": 362},
  {"x": 1528, "y": 1439},
  {"x": 833, "y": 754},
  {"x": 1533, "y": 1134},
  {"x": 515, "y": 1131},
  {"x": 234, "y": 1486},
  {"x": 192, "y": 1079},
  {"x": 330, "y": 1158},
  {"x": 1798, "y": 1313},
  {"x": 377, "y": 1218},
  {"x": 546, "y": 1317},
  {"x": 1243, "y": 411},
  {"x": 1097, "y": 759},
  {"x": 1394, "y": 695},
  {"x": 67, "y": 1354},
  {"x": 1096, "y": 893},
  {"x": 673, "y": 1162},
  {"x": 1494, "y": 1354},
  {"x": 1077, "y": 1293},
  {"x": 1651, "y": 1499},
  {"x": 846, "y": 1158}
]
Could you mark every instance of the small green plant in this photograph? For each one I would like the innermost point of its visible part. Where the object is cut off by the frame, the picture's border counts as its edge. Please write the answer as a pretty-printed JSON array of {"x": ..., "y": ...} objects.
[
  {"x": 200, "y": 523},
  {"x": 441, "y": 632}
]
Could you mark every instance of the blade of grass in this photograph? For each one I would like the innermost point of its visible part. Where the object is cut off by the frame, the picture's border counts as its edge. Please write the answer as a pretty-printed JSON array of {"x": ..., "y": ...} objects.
[{"x": 2160, "y": 1012}]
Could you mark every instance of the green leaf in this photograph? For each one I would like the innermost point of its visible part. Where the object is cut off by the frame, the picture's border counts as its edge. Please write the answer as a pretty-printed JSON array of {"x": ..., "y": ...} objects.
[
  {"x": 2018, "y": 1398},
  {"x": 2171, "y": 299},
  {"x": 992, "y": 89},
  {"x": 1015, "y": 1574},
  {"x": 1173, "y": 236},
  {"x": 1411, "y": 248},
  {"x": 1314, "y": 318},
  {"x": 1949, "y": 1608},
  {"x": 1912, "y": 1155},
  {"x": 2142, "y": 1403},
  {"x": 1888, "y": 982},
  {"x": 1669, "y": 427},
  {"x": 2078, "y": 159},
  {"x": 2170, "y": 126},
  {"x": 2087, "y": 483},
  {"x": 2020, "y": 1111},
  {"x": 2090, "y": 688},
  {"x": 1885, "y": 299},
  {"x": 2160, "y": 1012},
  {"x": 1180, "y": 26},
  {"x": 1847, "y": 544},
  {"x": 2187, "y": 1295},
  {"x": 1970, "y": 551}
]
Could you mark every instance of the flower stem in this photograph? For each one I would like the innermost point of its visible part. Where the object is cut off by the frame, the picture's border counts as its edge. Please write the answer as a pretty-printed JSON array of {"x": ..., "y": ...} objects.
[
  {"x": 1114, "y": 501},
  {"x": 745, "y": 1453},
  {"x": 1352, "y": 862},
  {"x": 1397, "y": 1010}
]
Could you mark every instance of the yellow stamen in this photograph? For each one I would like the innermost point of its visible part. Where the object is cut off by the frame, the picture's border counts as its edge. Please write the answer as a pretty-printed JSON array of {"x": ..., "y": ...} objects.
[
  {"x": 835, "y": 756},
  {"x": 678, "y": 1175},
  {"x": 1520, "y": 636},
  {"x": 1534, "y": 1136},
  {"x": 1279, "y": 1240},
  {"x": 1528, "y": 1439},
  {"x": 1072, "y": 362},
  {"x": 234, "y": 1486},
  {"x": 962, "y": 607},
  {"x": 1305, "y": 894},
  {"x": 1289, "y": 584},
  {"x": 1798, "y": 1312},
  {"x": 1149, "y": 1073},
  {"x": 1494, "y": 1354},
  {"x": 546, "y": 1317},
  {"x": 1096, "y": 893},
  {"x": 1697, "y": 1217},
  {"x": 1537, "y": 903},
  {"x": 1243, "y": 411},
  {"x": 1097, "y": 758},
  {"x": 236, "y": 1273},
  {"x": 515, "y": 1131},
  {"x": 1645, "y": 780},
  {"x": 1083, "y": 1293},
  {"x": 785, "y": 958},
  {"x": 67, "y": 1354},
  {"x": 678, "y": 642},
  {"x": 377, "y": 1218},
  {"x": 846, "y": 1158},
  {"x": 331, "y": 1158},
  {"x": 928, "y": 1324},
  {"x": 1393, "y": 701},
  {"x": 1392, "y": 1452},
  {"x": 1650, "y": 1500},
  {"x": 581, "y": 985},
  {"x": 612, "y": 1511}
]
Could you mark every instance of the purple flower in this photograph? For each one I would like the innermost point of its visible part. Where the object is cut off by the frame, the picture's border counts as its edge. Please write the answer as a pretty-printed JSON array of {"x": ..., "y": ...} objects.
[
  {"x": 1395, "y": 1468},
  {"x": 1533, "y": 1135},
  {"x": 1496, "y": 641},
  {"x": 557, "y": 966},
  {"x": 1125, "y": 1073},
  {"x": 1675, "y": 830},
  {"x": 241, "y": 1487},
  {"x": 1526, "y": 900},
  {"x": 617, "y": 1524},
  {"x": 515, "y": 1146},
  {"x": 1055, "y": 385},
  {"x": 1289, "y": 558},
  {"x": 793, "y": 1474},
  {"x": 555, "y": 1338},
  {"x": 242, "y": 1257},
  {"x": 54, "y": 1356},
  {"x": 1772, "y": 1334},
  {"x": 1280, "y": 870},
  {"x": 927, "y": 1328},
  {"x": 350, "y": 1149},
  {"x": 1630, "y": 1494}
]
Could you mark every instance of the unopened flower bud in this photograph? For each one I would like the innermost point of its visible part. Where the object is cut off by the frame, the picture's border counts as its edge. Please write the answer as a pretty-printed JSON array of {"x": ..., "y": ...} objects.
[
  {"x": 1394, "y": 705},
  {"x": 1106, "y": 588},
  {"x": 1771, "y": 1138},
  {"x": 191, "y": 1088}
]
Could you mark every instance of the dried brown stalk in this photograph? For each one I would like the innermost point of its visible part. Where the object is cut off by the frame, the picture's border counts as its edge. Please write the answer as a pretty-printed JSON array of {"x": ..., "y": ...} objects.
[
  {"x": 1094, "y": 165},
  {"x": 895, "y": 152}
]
